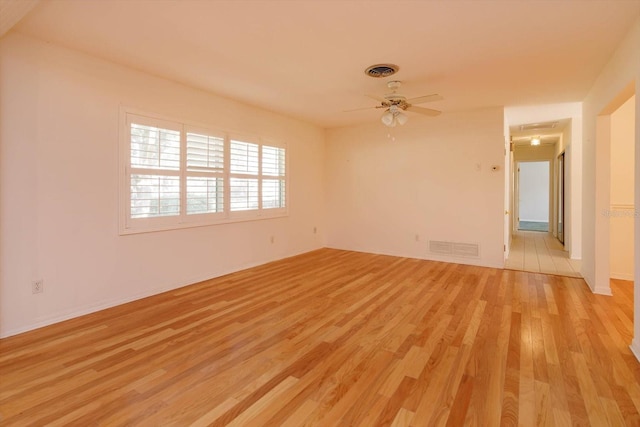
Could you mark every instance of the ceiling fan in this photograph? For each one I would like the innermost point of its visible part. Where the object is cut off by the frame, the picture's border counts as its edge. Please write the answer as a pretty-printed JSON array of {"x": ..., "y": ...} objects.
[{"x": 395, "y": 105}]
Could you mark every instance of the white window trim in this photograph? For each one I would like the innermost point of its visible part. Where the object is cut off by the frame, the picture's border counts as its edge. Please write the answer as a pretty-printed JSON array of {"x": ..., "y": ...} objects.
[{"x": 127, "y": 225}]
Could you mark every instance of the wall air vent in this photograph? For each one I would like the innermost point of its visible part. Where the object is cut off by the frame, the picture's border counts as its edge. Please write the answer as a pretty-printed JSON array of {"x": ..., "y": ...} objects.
[
  {"x": 539, "y": 126},
  {"x": 381, "y": 70},
  {"x": 469, "y": 250},
  {"x": 466, "y": 250},
  {"x": 440, "y": 247}
]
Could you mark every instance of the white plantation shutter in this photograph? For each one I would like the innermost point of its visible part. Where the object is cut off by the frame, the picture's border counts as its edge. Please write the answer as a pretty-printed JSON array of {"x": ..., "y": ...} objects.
[
  {"x": 243, "y": 181},
  {"x": 273, "y": 161},
  {"x": 175, "y": 175},
  {"x": 244, "y": 157},
  {"x": 273, "y": 193},
  {"x": 154, "y": 169},
  {"x": 273, "y": 189},
  {"x": 244, "y": 194},
  {"x": 205, "y": 152},
  {"x": 205, "y": 173},
  {"x": 205, "y": 195},
  {"x": 154, "y": 195},
  {"x": 154, "y": 148}
]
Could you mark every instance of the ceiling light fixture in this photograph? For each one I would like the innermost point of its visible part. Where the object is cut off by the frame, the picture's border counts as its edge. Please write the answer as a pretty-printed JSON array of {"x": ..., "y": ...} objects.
[
  {"x": 535, "y": 141},
  {"x": 394, "y": 116}
]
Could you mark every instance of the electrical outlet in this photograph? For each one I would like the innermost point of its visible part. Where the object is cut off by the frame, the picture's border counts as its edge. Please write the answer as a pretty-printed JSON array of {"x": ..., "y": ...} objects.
[
  {"x": 417, "y": 237},
  {"x": 273, "y": 239},
  {"x": 315, "y": 230},
  {"x": 37, "y": 286}
]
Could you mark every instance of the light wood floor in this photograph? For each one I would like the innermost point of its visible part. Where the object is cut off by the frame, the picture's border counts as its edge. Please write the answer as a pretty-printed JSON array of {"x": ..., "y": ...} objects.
[
  {"x": 540, "y": 252},
  {"x": 337, "y": 338}
]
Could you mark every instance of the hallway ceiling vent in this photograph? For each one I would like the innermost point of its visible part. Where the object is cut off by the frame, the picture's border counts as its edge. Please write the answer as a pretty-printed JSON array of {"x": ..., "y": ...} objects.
[{"x": 538, "y": 126}]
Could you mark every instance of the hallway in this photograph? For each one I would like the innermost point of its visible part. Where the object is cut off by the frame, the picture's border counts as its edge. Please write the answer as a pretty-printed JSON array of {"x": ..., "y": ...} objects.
[{"x": 540, "y": 253}]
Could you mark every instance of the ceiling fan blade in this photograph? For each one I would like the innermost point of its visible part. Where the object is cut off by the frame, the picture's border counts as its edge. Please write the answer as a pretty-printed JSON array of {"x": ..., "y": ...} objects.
[
  {"x": 378, "y": 98},
  {"x": 422, "y": 110},
  {"x": 426, "y": 98},
  {"x": 360, "y": 109}
]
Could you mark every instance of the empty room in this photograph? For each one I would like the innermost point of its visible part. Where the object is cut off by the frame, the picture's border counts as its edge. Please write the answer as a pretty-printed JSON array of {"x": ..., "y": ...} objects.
[{"x": 307, "y": 213}]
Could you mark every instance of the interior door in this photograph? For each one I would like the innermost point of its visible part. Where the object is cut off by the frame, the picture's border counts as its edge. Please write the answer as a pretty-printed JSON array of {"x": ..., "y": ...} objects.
[
  {"x": 516, "y": 196},
  {"x": 508, "y": 225},
  {"x": 534, "y": 196}
]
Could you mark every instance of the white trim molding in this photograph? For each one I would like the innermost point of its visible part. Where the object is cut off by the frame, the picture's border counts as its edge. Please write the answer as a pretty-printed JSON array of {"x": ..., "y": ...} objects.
[{"x": 635, "y": 348}]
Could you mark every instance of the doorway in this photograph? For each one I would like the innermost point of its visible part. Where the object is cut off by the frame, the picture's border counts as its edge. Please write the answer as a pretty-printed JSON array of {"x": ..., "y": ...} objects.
[
  {"x": 621, "y": 194},
  {"x": 614, "y": 193},
  {"x": 540, "y": 146},
  {"x": 533, "y": 196}
]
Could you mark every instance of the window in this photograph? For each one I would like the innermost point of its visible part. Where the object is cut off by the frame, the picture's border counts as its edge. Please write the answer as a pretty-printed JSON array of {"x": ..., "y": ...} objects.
[
  {"x": 205, "y": 173},
  {"x": 273, "y": 177},
  {"x": 244, "y": 168},
  {"x": 176, "y": 175},
  {"x": 155, "y": 170}
]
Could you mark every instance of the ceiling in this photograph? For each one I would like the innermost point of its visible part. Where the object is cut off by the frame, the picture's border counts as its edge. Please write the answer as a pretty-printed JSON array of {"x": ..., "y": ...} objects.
[
  {"x": 549, "y": 133},
  {"x": 12, "y": 11},
  {"x": 306, "y": 58}
]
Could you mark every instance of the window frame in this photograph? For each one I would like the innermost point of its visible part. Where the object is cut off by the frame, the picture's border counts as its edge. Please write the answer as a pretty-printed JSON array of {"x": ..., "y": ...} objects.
[{"x": 128, "y": 225}]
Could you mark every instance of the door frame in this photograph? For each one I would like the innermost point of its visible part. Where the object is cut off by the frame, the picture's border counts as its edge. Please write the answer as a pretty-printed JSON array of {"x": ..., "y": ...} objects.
[{"x": 559, "y": 205}]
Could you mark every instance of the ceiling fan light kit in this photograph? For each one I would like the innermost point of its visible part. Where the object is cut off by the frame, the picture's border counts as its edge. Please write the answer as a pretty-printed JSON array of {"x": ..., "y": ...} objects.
[
  {"x": 394, "y": 103},
  {"x": 401, "y": 118},
  {"x": 394, "y": 116},
  {"x": 388, "y": 119}
]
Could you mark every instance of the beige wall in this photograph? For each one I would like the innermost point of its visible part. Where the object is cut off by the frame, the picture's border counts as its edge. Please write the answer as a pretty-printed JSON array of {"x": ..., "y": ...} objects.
[
  {"x": 622, "y": 190},
  {"x": 59, "y": 188},
  {"x": 529, "y": 153},
  {"x": 434, "y": 182},
  {"x": 617, "y": 78},
  {"x": 620, "y": 76}
]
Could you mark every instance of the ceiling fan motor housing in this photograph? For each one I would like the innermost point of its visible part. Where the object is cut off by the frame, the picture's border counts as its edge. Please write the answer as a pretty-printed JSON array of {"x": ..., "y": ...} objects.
[
  {"x": 397, "y": 100},
  {"x": 394, "y": 85}
]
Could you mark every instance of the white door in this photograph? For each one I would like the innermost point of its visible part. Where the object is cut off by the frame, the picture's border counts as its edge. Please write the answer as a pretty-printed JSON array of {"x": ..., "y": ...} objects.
[{"x": 533, "y": 197}]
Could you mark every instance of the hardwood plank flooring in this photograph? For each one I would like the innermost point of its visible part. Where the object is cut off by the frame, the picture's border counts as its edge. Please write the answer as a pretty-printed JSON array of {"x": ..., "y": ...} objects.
[{"x": 337, "y": 338}]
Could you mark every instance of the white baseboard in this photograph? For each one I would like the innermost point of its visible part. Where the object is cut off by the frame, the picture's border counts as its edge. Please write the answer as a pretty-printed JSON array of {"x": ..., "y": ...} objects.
[
  {"x": 66, "y": 315},
  {"x": 479, "y": 262},
  {"x": 635, "y": 348},
  {"x": 600, "y": 290},
  {"x": 82, "y": 311},
  {"x": 622, "y": 276},
  {"x": 603, "y": 290}
]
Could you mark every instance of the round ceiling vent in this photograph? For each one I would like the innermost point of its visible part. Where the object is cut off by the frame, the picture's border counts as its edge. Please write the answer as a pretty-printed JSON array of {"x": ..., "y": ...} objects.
[{"x": 381, "y": 70}]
